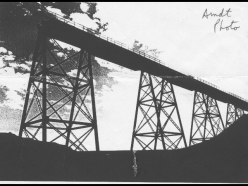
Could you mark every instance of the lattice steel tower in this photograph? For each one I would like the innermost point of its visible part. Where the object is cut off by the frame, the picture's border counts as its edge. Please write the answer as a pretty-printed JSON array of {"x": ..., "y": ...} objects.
[
  {"x": 157, "y": 123},
  {"x": 60, "y": 104},
  {"x": 206, "y": 120},
  {"x": 233, "y": 113}
]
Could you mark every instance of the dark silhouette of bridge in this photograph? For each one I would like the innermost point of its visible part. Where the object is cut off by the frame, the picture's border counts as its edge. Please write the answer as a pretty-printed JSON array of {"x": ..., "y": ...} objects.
[{"x": 157, "y": 122}]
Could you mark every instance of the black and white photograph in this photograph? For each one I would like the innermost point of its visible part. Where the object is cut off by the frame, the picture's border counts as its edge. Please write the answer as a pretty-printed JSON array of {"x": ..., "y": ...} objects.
[{"x": 124, "y": 92}]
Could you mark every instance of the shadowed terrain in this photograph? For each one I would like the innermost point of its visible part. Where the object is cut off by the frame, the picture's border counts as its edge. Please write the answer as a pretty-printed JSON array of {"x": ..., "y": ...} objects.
[{"x": 221, "y": 159}]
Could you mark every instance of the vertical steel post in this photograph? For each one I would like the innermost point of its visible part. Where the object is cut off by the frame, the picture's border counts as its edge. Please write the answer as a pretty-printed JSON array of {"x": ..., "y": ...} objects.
[
  {"x": 159, "y": 110},
  {"x": 38, "y": 41},
  {"x": 208, "y": 115},
  {"x": 159, "y": 128},
  {"x": 227, "y": 114},
  {"x": 75, "y": 90},
  {"x": 236, "y": 112},
  {"x": 205, "y": 118},
  {"x": 137, "y": 108},
  {"x": 192, "y": 121},
  {"x": 179, "y": 118},
  {"x": 220, "y": 114},
  {"x": 93, "y": 103}
]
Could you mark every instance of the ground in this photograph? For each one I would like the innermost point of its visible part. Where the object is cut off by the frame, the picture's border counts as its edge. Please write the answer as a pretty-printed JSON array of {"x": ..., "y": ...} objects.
[{"x": 222, "y": 159}]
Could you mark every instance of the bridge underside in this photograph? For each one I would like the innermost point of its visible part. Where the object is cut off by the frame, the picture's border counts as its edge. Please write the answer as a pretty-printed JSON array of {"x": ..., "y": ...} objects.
[{"x": 116, "y": 54}]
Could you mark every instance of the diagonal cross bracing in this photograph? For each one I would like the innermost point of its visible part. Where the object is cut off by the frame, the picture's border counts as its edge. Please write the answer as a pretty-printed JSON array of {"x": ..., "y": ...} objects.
[
  {"x": 206, "y": 119},
  {"x": 60, "y": 105},
  {"x": 157, "y": 122},
  {"x": 233, "y": 113}
]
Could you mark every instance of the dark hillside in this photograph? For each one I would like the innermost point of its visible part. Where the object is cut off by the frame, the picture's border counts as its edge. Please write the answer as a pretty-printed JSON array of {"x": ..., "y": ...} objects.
[{"x": 222, "y": 159}]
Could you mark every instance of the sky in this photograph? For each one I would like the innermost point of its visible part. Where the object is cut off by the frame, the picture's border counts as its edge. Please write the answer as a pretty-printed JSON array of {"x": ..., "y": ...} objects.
[{"x": 188, "y": 43}]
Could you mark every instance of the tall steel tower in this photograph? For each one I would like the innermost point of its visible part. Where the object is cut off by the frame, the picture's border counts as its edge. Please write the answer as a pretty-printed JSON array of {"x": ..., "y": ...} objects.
[
  {"x": 206, "y": 120},
  {"x": 157, "y": 123},
  {"x": 60, "y": 104}
]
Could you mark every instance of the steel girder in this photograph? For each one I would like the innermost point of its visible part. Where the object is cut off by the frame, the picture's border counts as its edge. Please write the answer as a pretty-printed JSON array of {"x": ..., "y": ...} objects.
[
  {"x": 60, "y": 103},
  {"x": 206, "y": 120},
  {"x": 157, "y": 123},
  {"x": 233, "y": 113}
]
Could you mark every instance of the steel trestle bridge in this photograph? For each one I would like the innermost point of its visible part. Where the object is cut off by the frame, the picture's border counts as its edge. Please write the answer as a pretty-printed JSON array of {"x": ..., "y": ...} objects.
[{"x": 60, "y": 105}]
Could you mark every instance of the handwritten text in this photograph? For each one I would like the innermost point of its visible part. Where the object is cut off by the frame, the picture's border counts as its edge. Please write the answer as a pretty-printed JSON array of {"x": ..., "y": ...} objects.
[{"x": 219, "y": 25}]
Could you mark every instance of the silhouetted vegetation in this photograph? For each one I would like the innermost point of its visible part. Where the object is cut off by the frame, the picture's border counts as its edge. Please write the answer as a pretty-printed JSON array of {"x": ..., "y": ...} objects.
[{"x": 18, "y": 31}]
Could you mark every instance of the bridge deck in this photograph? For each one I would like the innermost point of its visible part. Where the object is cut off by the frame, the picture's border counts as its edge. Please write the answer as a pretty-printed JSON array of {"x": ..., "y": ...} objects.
[{"x": 111, "y": 52}]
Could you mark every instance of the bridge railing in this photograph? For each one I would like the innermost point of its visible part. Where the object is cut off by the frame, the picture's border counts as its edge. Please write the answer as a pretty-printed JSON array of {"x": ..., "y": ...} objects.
[
  {"x": 109, "y": 39},
  {"x": 208, "y": 83},
  {"x": 140, "y": 52}
]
